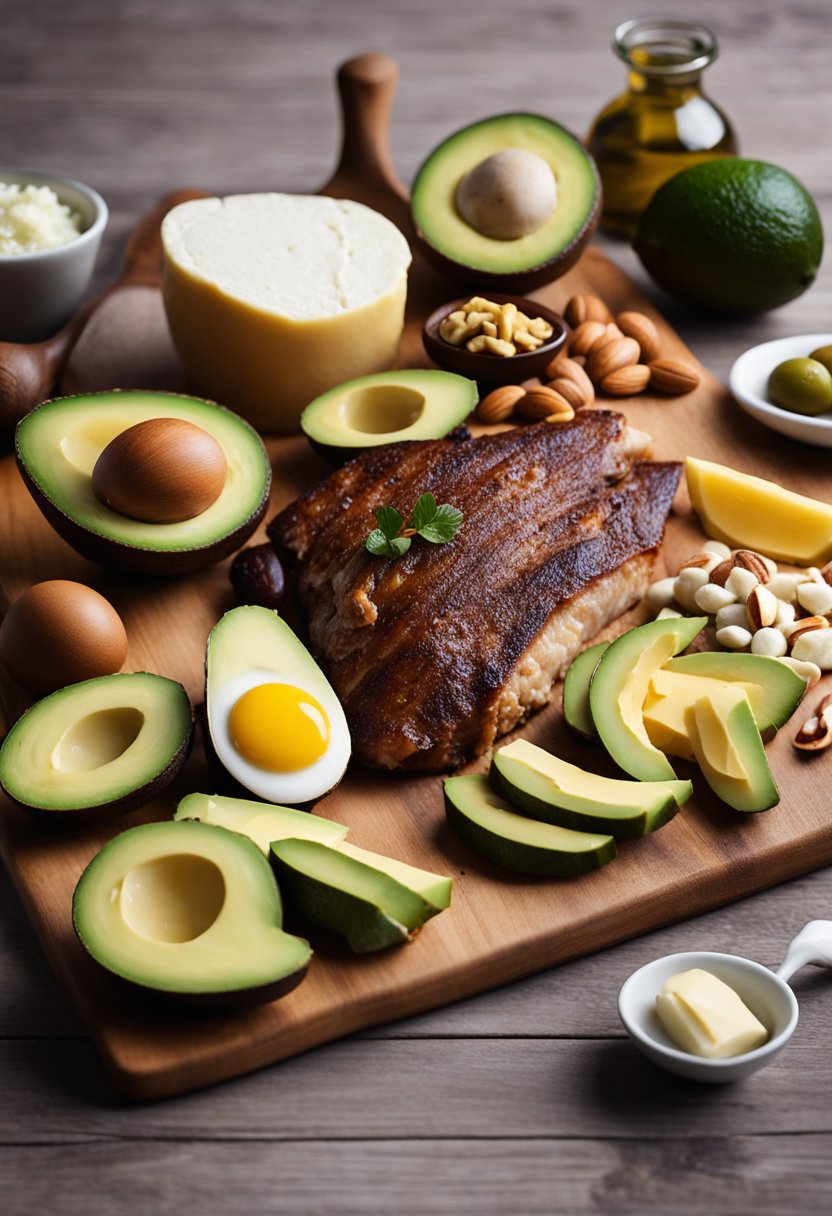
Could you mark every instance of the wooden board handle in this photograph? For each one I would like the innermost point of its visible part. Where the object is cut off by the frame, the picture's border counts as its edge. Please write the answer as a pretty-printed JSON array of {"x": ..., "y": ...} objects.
[{"x": 367, "y": 86}]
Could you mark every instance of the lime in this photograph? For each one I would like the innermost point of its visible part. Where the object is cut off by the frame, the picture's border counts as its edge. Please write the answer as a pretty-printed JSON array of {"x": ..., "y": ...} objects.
[{"x": 731, "y": 235}]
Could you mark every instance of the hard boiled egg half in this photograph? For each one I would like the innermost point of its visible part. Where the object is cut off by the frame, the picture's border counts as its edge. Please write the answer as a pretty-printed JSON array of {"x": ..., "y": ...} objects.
[{"x": 275, "y": 723}]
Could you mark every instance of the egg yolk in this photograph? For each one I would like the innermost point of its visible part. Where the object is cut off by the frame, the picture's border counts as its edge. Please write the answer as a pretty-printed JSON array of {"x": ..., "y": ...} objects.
[{"x": 279, "y": 727}]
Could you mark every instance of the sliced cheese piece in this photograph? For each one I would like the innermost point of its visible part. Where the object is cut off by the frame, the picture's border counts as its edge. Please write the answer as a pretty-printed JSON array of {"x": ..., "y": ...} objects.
[
  {"x": 274, "y": 298},
  {"x": 706, "y": 1017}
]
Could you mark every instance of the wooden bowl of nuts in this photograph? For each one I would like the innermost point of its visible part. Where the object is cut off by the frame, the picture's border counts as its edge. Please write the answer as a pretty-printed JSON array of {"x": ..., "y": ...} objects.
[{"x": 499, "y": 340}]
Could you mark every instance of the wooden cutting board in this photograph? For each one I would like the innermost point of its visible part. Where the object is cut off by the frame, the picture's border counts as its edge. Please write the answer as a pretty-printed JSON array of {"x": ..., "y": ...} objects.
[{"x": 500, "y": 926}]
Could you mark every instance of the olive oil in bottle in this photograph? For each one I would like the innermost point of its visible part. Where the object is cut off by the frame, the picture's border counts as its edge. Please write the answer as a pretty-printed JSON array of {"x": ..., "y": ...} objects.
[{"x": 663, "y": 123}]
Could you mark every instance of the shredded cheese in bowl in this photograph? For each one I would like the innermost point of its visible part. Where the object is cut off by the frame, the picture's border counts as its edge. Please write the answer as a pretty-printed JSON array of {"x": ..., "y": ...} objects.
[{"x": 33, "y": 219}]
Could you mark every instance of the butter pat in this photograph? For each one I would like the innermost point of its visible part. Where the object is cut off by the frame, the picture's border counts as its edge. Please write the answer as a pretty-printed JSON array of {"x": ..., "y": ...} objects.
[
  {"x": 274, "y": 298},
  {"x": 706, "y": 1017}
]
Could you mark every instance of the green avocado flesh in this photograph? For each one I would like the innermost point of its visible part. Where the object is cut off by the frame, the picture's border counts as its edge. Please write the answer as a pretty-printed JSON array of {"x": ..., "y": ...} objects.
[
  {"x": 260, "y": 821},
  {"x": 433, "y": 199},
  {"x": 360, "y": 896},
  {"x": 59, "y": 443},
  {"x": 387, "y": 407},
  {"x": 251, "y": 646},
  {"x": 729, "y": 750},
  {"x": 108, "y": 743},
  {"x": 620, "y": 687},
  {"x": 548, "y": 788},
  {"x": 576, "y": 708},
  {"x": 493, "y": 828},
  {"x": 188, "y": 908}
]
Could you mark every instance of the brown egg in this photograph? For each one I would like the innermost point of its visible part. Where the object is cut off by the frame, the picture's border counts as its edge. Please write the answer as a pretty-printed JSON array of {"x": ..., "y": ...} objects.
[
  {"x": 59, "y": 633},
  {"x": 160, "y": 471}
]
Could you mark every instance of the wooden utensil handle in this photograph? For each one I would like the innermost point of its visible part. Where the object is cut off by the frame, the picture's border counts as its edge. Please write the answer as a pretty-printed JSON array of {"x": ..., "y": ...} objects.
[
  {"x": 143, "y": 254},
  {"x": 367, "y": 86}
]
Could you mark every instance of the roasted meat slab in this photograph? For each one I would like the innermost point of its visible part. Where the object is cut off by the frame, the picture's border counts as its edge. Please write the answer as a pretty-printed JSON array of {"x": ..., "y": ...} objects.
[{"x": 437, "y": 653}]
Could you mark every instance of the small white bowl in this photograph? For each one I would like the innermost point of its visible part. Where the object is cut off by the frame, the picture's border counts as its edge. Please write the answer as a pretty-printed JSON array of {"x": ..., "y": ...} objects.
[
  {"x": 40, "y": 292},
  {"x": 749, "y": 385},
  {"x": 767, "y": 996}
]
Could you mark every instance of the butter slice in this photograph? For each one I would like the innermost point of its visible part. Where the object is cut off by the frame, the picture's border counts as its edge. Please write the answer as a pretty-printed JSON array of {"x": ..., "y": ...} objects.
[
  {"x": 706, "y": 1017},
  {"x": 274, "y": 298}
]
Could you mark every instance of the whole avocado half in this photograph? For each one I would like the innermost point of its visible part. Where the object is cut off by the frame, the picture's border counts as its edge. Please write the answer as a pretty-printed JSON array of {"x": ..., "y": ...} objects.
[{"x": 732, "y": 236}]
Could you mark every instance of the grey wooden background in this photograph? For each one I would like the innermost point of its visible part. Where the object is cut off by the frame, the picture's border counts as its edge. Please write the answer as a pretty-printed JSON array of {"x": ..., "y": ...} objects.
[{"x": 529, "y": 1099}]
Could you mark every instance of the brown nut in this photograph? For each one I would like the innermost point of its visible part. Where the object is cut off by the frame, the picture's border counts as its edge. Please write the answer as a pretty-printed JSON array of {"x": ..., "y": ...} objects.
[
  {"x": 816, "y": 732},
  {"x": 564, "y": 368},
  {"x": 807, "y": 625},
  {"x": 744, "y": 559},
  {"x": 826, "y": 573},
  {"x": 585, "y": 308},
  {"x": 563, "y": 413},
  {"x": 257, "y": 577},
  {"x": 570, "y": 391},
  {"x": 626, "y": 381},
  {"x": 500, "y": 403},
  {"x": 700, "y": 561},
  {"x": 585, "y": 336},
  {"x": 761, "y": 607},
  {"x": 539, "y": 403},
  {"x": 636, "y": 325},
  {"x": 611, "y": 332},
  {"x": 673, "y": 377},
  {"x": 621, "y": 352}
]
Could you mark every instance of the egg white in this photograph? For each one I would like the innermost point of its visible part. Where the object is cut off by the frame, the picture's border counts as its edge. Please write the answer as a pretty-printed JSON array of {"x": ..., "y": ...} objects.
[{"x": 303, "y": 785}]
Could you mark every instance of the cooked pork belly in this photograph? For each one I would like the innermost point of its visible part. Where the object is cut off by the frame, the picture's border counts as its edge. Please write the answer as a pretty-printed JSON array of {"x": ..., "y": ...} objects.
[{"x": 437, "y": 653}]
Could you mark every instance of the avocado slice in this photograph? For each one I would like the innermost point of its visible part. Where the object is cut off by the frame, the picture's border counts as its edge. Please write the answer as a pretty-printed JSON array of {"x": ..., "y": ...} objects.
[
  {"x": 260, "y": 821},
  {"x": 359, "y": 895},
  {"x": 548, "y": 788},
  {"x": 188, "y": 909},
  {"x": 576, "y": 708},
  {"x": 729, "y": 750},
  {"x": 493, "y": 828},
  {"x": 108, "y": 744},
  {"x": 524, "y": 262},
  {"x": 620, "y": 687},
  {"x": 57, "y": 447},
  {"x": 385, "y": 408},
  {"x": 251, "y": 648}
]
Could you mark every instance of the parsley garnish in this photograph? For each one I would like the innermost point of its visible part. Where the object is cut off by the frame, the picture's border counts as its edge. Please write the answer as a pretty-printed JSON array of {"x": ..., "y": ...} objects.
[{"x": 437, "y": 524}]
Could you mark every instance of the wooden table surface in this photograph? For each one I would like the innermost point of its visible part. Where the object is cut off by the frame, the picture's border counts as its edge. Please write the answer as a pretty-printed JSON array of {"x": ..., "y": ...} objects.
[{"x": 529, "y": 1099}]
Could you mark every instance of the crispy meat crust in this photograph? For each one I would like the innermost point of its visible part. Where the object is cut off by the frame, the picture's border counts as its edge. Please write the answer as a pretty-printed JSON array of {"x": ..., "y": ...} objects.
[{"x": 436, "y": 653}]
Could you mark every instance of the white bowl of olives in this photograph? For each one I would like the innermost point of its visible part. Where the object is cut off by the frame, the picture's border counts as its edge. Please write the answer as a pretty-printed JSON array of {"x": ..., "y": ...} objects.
[{"x": 787, "y": 385}]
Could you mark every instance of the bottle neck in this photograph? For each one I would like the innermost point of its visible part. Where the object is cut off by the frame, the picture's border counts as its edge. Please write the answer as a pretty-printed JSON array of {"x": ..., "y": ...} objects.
[{"x": 679, "y": 86}]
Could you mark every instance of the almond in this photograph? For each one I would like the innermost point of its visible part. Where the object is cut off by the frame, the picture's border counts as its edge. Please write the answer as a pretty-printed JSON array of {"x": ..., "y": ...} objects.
[
  {"x": 636, "y": 325},
  {"x": 570, "y": 392},
  {"x": 808, "y": 625},
  {"x": 673, "y": 377},
  {"x": 626, "y": 381},
  {"x": 585, "y": 336},
  {"x": 761, "y": 607},
  {"x": 621, "y": 352},
  {"x": 500, "y": 403},
  {"x": 611, "y": 332},
  {"x": 742, "y": 559},
  {"x": 539, "y": 403},
  {"x": 564, "y": 368},
  {"x": 563, "y": 413},
  {"x": 585, "y": 308}
]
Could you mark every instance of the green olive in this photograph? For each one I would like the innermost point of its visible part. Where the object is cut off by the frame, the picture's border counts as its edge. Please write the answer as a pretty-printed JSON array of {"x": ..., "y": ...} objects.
[
  {"x": 803, "y": 386},
  {"x": 823, "y": 355}
]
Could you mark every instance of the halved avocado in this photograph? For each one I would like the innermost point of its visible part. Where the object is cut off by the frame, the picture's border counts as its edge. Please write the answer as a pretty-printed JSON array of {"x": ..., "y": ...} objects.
[
  {"x": 576, "y": 683},
  {"x": 620, "y": 686},
  {"x": 384, "y": 408},
  {"x": 520, "y": 264},
  {"x": 369, "y": 902},
  {"x": 57, "y": 447},
  {"x": 555, "y": 791},
  {"x": 729, "y": 750},
  {"x": 188, "y": 910},
  {"x": 493, "y": 828},
  {"x": 260, "y": 821},
  {"x": 108, "y": 744}
]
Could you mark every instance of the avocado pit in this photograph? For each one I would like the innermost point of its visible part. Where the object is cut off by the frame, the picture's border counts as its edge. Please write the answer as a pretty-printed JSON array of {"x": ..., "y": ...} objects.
[{"x": 508, "y": 195}]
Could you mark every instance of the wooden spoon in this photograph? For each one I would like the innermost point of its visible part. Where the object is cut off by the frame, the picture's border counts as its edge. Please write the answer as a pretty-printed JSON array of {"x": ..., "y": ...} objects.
[{"x": 29, "y": 371}]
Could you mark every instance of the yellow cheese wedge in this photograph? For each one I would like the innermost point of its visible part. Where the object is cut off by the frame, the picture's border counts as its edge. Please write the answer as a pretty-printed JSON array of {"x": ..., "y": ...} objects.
[
  {"x": 750, "y": 513},
  {"x": 274, "y": 298},
  {"x": 706, "y": 1017}
]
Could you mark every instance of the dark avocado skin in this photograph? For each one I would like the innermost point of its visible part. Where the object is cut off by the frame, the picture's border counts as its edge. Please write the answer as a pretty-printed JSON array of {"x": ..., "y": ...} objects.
[{"x": 119, "y": 806}]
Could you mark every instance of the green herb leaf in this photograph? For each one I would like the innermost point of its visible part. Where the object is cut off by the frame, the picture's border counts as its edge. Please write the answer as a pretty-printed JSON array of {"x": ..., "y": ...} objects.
[
  {"x": 423, "y": 512},
  {"x": 386, "y": 546},
  {"x": 444, "y": 525},
  {"x": 389, "y": 521}
]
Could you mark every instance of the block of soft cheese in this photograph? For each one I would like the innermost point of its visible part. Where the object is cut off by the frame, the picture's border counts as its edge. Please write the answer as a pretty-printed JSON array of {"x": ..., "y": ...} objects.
[
  {"x": 705, "y": 1016},
  {"x": 274, "y": 298}
]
